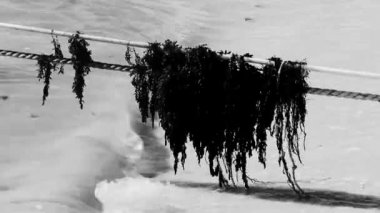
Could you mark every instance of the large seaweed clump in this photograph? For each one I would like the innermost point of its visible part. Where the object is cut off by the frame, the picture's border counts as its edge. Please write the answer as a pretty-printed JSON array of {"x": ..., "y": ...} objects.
[{"x": 225, "y": 107}]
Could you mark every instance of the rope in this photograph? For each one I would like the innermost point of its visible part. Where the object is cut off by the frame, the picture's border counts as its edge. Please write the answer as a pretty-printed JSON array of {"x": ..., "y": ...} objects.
[
  {"x": 123, "y": 68},
  {"x": 320, "y": 69},
  {"x": 68, "y": 34},
  {"x": 95, "y": 64},
  {"x": 344, "y": 94}
]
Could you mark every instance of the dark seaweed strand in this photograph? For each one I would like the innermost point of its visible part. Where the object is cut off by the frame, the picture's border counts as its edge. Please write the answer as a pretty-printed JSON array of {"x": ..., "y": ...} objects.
[
  {"x": 170, "y": 99},
  {"x": 290, "y": 114},
  {"x": 46, "y": 65},
  {"x": 155, "y": 58},
  {"x": 231, "y": 123},
  {"x": 81, "y": 58},
  {"x": 154, "y": 78},
  {"x": 267, "y": 105},
  {"x": 243, "y": 97},
  {"x": 57, "y": 52},
  {"x": 207, "y": 73},
  {"x": 45, "y": 68},
  {"x": 140, "y": 77},
  {"x": 146, "y": 73}
]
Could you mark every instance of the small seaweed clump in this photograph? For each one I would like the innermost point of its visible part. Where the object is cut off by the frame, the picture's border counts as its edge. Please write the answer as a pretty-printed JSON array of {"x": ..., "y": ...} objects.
[
  {"x": 225, "y": 108},
  {"x": 57, "y": 53},
  {"x": 45, "y": 68},
  {"x": 81, "y": 58},
  {"x": 46, "y": 65}
]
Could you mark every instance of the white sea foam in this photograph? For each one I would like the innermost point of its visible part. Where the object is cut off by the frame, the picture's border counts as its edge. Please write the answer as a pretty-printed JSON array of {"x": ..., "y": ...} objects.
[{"x": 139, "y": 195}]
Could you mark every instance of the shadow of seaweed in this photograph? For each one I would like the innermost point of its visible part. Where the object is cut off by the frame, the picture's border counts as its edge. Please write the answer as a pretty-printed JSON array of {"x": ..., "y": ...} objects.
[
  {"x": 315, "y": 197},
  {"x": 155, "y": 157}
]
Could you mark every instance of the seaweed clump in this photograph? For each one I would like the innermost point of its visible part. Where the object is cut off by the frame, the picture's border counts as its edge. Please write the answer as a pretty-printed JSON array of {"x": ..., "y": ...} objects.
[
  {"x": 47, "y": 64},
  {"x": 57, "y": 53},
  {"x": 225, "y": 108},
  {"x": 289, "y": 109},
  {"x": 81, "y": 58},
  {"x": 45, "y": 67}
]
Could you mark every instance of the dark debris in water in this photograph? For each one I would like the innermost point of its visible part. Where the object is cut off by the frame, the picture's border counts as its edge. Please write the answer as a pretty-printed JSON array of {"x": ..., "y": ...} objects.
[
  {"x": 33, "y": 115},
  {"x": 249, "y": 19},
  {"x": 4, "y": 97}
]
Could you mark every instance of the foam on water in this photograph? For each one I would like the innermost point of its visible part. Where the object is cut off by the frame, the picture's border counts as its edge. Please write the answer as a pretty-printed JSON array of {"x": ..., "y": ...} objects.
[{"x": 54, "y": 155}]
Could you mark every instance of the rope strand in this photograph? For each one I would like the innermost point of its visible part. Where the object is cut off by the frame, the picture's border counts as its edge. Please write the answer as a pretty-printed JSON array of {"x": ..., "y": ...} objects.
[
  {"x": 320, "y": 69},
  {"x": 95, "y": 64},
  {"x": 124, "y": 68},
  {"x": 345, "y": 94}
]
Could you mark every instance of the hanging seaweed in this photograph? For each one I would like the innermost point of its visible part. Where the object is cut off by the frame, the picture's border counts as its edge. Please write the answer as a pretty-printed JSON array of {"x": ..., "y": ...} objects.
[
  {"x": 57, "y": 53},
  {"x": 290, "y": 112},
  {"x": 266, "y": 107},
  {"x": 46, "y": 65},
  {"x": 140, "y": 82},
  {"x": 81, "y": 58},
  {"x": 224, "y": 107}
]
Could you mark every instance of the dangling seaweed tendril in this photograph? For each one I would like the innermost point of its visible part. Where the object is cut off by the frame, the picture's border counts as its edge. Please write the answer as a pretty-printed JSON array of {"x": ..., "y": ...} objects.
[
  {"x": 81, "y": 58},
  {"x": 46, "y": 65}
]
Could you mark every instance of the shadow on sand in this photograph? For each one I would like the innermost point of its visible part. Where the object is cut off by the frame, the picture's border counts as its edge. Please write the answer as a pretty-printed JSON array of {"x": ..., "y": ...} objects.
[
  {"x": 155, "y": 161},
  {"x": 155, "y": 157},
  {"x": 315, "y": 197}
]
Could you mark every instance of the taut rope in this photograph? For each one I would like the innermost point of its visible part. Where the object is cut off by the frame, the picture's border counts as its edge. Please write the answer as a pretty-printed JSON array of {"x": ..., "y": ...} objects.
[
  {"x": 124, "y": 68},
  {"x": 320, "y": 69},
  {"x": 95, "y": 64}
]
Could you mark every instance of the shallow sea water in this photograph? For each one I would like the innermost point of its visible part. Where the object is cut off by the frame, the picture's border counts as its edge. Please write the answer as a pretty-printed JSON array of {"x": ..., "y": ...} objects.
[{"x": 58, "y": 158}]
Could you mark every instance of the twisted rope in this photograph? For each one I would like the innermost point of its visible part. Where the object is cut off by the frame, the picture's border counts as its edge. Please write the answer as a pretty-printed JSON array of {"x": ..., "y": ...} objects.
[
  {"x": 95, "y": 64},
  {"x": 124, "y": 68},
  {"x": 344, "y": 94}
]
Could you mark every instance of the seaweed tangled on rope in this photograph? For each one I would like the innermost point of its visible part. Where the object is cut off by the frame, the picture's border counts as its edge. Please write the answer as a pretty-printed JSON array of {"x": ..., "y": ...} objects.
[
  {"x": 57, "y": 52},
  {"x": 225, "y": 108},
  {"x": 45, "y": 66},
  {"x": 288, "y": 126},
  {"x": 81, "y": 58}
]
